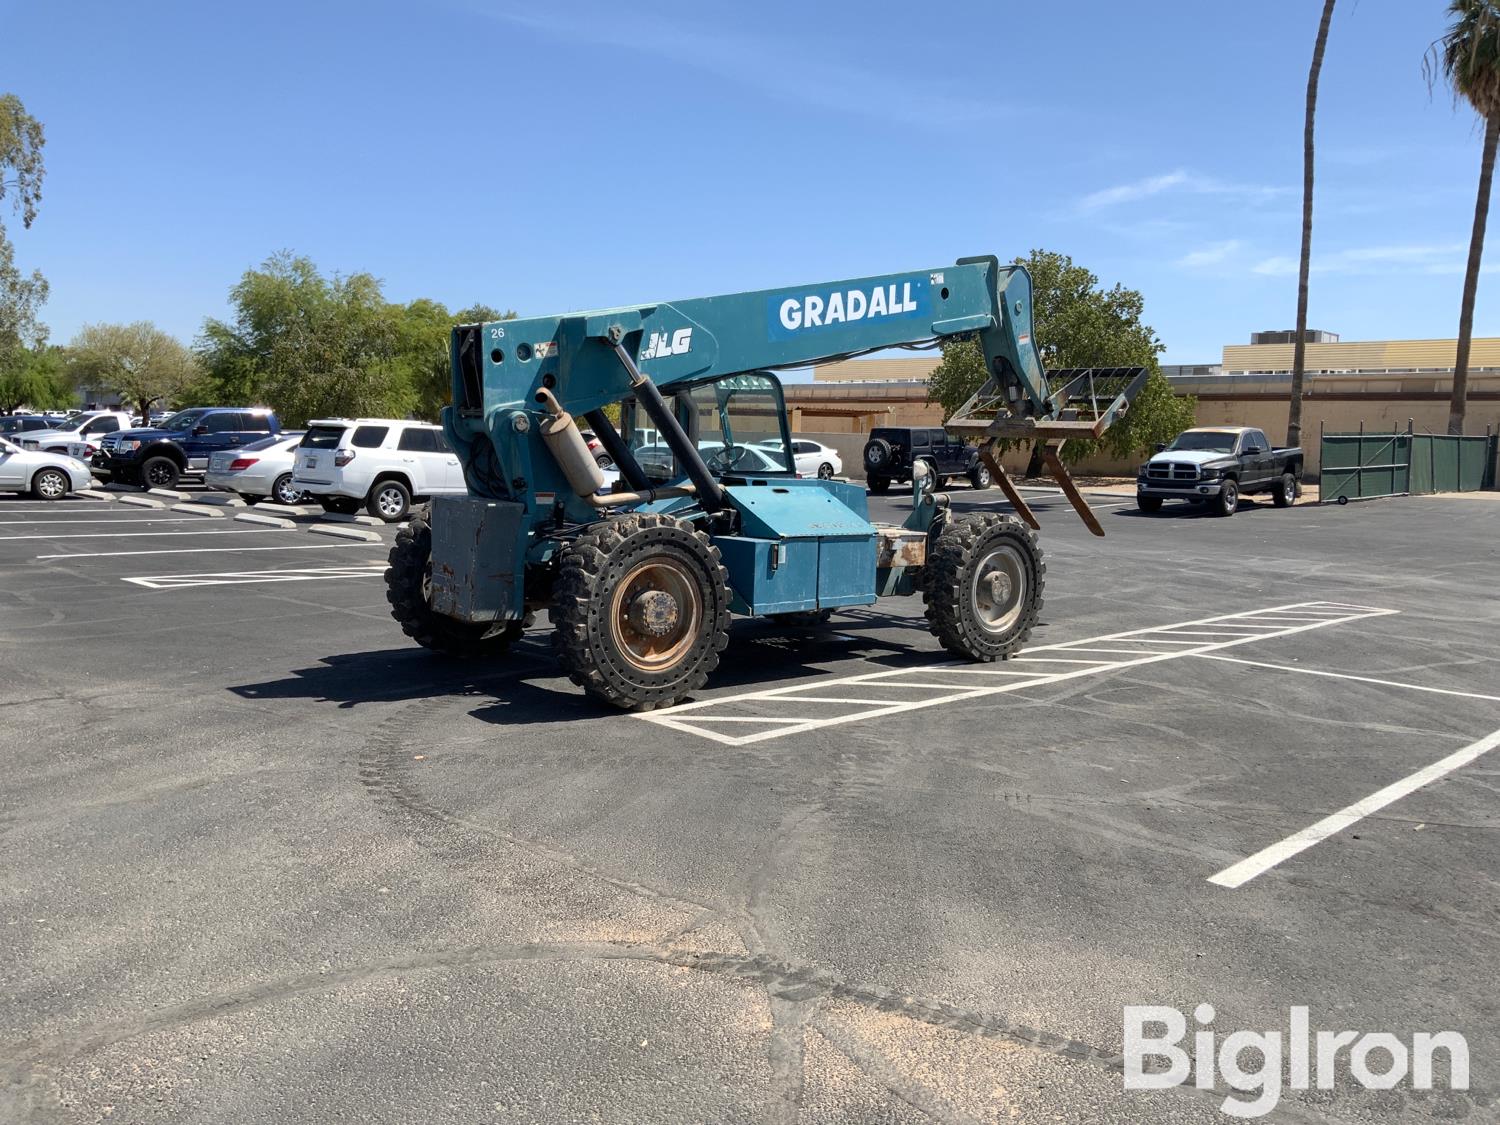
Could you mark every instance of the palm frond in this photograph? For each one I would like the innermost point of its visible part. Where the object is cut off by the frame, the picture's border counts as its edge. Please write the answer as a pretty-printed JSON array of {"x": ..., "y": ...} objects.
[{"x": 1467, "y": 56}]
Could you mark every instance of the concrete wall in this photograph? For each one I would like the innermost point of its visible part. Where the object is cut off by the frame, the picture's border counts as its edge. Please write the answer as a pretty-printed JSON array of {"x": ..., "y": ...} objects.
[{"x": 840, "y": 415}]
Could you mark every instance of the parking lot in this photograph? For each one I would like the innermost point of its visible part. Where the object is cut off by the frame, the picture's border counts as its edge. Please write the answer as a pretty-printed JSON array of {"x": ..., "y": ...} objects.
[{"x": 265, "y": 858}]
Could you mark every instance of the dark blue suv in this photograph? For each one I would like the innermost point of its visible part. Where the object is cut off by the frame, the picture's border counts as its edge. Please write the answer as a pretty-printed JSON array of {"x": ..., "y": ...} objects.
[{"x": 158, "y": 456}]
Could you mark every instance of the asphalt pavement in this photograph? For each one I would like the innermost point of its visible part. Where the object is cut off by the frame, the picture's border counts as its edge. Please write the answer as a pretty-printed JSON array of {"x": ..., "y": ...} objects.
[{"x": 265, "y": 861}]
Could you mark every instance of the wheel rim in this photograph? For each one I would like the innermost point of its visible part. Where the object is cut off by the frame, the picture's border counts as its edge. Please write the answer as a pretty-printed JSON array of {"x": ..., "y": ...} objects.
[
  {"x": 984, "y": 476},
  {"x": 998, "y": 590},
  {"x": 1289, "y": 489},
  {"x": 390, "y": 502},
  {"x": 655, "y": 614},
  {"x": 1231, "y": 496},
  {"x": 825, "y": 472},
  {"x": 160, "y": 475},
  {"x": 284, "y": 490},
  {"x": 51, "y": 485}
]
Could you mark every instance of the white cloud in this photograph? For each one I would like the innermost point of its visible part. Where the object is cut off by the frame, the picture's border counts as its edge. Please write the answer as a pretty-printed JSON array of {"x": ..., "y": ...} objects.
[
  {"x": 1189, "y": 183},
  {"x": 1215, "y": 253},
  {"x": 1432, "y": 258}
]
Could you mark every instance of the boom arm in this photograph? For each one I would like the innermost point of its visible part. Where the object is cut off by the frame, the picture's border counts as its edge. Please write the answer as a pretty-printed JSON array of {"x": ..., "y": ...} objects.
[{"x": 500, "y": 368}]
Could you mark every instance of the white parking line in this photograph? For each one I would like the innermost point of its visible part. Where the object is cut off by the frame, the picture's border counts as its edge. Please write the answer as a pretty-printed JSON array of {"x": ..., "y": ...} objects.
[
  {"x": 686, "y": 717},
  {"x": 170, "y": 519},
  {"x": 1237, "y": 875},
  {"x": 129, "y": 534},
  {"x": 1346, "y": 676},
  {"x": 202, "y": 551},
  {"x": 250, "y": 577}
]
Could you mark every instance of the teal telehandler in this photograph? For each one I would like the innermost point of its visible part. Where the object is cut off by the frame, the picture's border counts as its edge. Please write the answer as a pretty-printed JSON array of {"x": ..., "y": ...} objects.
[{"x": 640, "y": 576}]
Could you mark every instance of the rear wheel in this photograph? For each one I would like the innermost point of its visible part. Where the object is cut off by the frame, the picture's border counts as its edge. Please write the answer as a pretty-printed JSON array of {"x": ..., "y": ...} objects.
[
  {"x": 641, "y": 605},
  {"x": 825, "y": 471},
  {"x": 160, "y": 472},
  {"x": 1286, "y": 491},
  {"x": 284, "y": 492},
  {"x": 389, "y": 500},
  {"x": 979, "y": 476},
  {"x": 878, "y": 485},
  {"x": 1148, "y": 503},
  {"x": 408, "y": 587},
  {"x": 50, "y": 484},
  {"x": 983, "y": 585}
]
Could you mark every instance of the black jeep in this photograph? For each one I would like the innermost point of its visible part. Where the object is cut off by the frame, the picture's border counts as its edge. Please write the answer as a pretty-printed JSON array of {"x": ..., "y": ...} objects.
[{"x": 891, "y": 451}]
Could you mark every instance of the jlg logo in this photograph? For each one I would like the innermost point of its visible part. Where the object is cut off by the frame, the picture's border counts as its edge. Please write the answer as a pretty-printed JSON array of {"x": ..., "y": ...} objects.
[{"x": 661, "y": 344}]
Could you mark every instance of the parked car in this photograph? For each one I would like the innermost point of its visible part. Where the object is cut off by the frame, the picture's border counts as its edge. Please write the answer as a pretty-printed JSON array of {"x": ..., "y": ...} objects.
[
  {"x": 1216, "y": 465},
  {"x": 157, "y": 457},
  {"x": 596, "y": 447},
  {"x": 892, "y": 450},
  {"x": 258, "y": 470},
  {"x": 812, "y": 459},
  {"x": 381, "y": 463},
  {"x": 81, "y": 429},
  {"x": 47, "y": 476},
  {"x": 13, "y": 425},
  {"x": 660, "y": 465}
]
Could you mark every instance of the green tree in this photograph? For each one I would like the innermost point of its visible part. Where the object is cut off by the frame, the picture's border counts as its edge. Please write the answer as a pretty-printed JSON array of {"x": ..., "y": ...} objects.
[
  {"x": 33, "y": 377},
  {"x": 1076, "y": 323},
  {"x": 139, "y": 362},
  {"x": 1299, "y": 349},
  {"x": 21, "y": 174},
  {"x": 308, "y": 345},
  {"x": 1467, "y": 58},
  {"x": 422, "y": 334}
]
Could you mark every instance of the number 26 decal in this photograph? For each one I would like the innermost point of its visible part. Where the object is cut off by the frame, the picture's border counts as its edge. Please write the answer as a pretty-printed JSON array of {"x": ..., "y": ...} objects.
[{"x": 497, "y": 333}]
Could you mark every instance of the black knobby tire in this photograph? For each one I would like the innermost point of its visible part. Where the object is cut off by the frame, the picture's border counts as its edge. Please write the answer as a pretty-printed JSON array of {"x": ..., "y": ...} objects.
[
  {"x": 160, "y": 472},
  {"x": 50, "y": 484},
  {"x": 598, "y": 604},
  {"x": 407, "y": 581},
  {"x": 966, "y": 611},
  {"x": 1148, "y": 503},
  {"x": 879, "y": 485},
  {"x": 1286, "y": 491},
  {"x": 1228, "y": 500},
  {"x": 878, "y": 454}
]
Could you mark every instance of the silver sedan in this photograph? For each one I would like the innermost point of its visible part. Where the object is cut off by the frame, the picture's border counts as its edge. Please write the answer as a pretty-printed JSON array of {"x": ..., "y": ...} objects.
[
  {"x": 258, "y": 470},
  {"x": 47, "y": 476}
]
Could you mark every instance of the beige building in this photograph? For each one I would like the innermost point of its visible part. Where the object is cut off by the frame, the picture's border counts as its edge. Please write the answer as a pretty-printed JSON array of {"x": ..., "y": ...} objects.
[{"x": 1380, "y": 384}]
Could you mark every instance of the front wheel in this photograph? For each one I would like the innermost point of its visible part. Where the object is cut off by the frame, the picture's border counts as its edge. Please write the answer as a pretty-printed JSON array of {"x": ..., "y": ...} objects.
[
  {"x": 160, "y": 472},
  {"x": 1228, "y": 501},
  {"x": 408, "y": 587},
  {"x": 1148, "y": 503},
  {"x": 641, "y": 606},
  {"x": 50, "y": 484},
  {"x": 983, "y": 585},
  {"x": 1286, "y": 491}
]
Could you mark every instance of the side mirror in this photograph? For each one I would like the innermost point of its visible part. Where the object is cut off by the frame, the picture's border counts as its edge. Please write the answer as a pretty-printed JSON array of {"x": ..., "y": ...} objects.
[
  {"x": 199, "y": 431},
  {"x": 1161, "y": 447}
]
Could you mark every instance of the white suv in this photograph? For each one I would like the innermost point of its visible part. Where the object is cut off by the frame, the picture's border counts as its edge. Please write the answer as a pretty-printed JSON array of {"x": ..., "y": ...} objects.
[{"x": 381, "y": 463}]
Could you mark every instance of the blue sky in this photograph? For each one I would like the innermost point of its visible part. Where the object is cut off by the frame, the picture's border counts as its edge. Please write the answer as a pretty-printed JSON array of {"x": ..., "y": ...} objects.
[{"x": 576, "y": 155}]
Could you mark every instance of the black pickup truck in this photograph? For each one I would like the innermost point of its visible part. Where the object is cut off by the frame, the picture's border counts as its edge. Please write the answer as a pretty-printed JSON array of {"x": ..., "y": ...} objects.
[{"x": 1216, "y": 465}]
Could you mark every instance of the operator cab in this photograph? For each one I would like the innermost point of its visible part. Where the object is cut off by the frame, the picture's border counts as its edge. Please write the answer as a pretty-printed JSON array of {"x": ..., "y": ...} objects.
[{"x": 738, "y": 423}]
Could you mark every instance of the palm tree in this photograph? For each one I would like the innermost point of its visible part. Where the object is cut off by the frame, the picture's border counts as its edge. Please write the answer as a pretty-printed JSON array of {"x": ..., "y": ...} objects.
[
  {"x": 1299, "y": 349},
  {"x": 1467, "y": 58}
]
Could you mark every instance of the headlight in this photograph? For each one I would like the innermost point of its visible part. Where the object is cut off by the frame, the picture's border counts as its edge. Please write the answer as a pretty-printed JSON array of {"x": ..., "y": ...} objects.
[
  {"x": 1142, "y": 470},
  {"x": 128, "y": 445},
  {"x": 1210, "y": 474}
]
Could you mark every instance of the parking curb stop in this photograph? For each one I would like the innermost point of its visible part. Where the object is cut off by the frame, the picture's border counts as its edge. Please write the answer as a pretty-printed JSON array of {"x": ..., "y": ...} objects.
[
  {"x": 168, "y": 493},
  {"x": 198, "y": 510},
  {"x": 265, "y": 521},
  {"x": 341, "y": 517},
  {"x": 339, "y": 532},
  {"x": 141, "y": 502}
]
